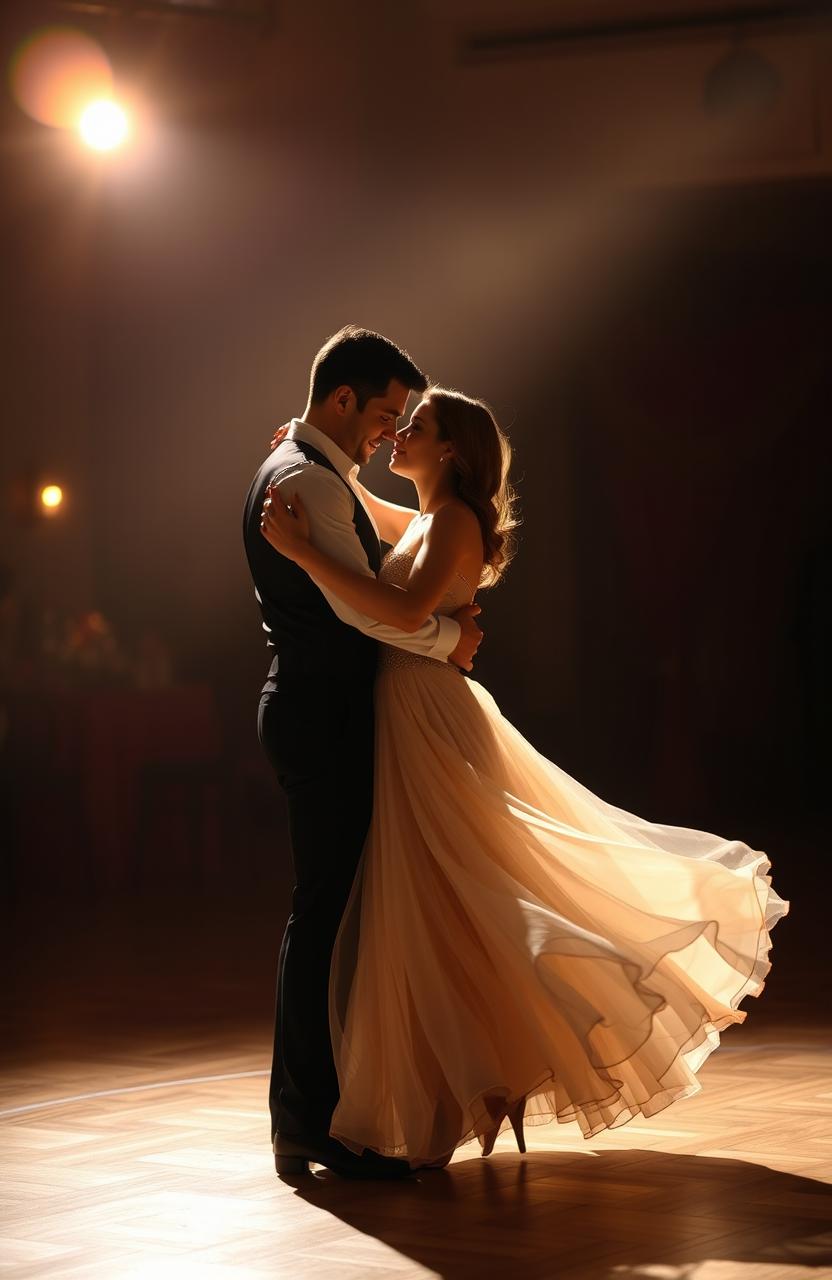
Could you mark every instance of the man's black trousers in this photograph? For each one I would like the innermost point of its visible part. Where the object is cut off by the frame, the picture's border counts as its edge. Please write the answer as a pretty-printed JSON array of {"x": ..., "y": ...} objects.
[{"x": 318, "y": 736}]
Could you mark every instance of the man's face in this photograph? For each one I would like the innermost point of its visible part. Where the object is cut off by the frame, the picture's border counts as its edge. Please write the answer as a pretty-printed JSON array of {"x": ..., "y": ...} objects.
[{"x": 375, "y": 423}]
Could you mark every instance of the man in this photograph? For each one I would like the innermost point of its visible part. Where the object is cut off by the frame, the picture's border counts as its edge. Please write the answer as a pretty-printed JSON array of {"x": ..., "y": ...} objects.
[{"x": 316, "y": 713}]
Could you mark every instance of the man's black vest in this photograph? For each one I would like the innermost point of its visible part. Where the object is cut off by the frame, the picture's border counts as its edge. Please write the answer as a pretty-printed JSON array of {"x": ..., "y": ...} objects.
[{"x": 299, "y": 623}]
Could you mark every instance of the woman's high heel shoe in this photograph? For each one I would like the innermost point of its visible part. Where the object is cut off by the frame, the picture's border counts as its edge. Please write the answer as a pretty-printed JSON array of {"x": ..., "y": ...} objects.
[{"x": 515, "y": 1114}]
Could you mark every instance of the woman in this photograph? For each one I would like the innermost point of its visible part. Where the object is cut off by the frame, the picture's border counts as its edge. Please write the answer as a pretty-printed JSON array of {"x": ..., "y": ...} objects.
[{"x": 526, "y": 948}]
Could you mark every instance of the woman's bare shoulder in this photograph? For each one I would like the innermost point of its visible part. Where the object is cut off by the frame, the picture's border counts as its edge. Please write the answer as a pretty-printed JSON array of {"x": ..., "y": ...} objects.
[
  {"x": 456, "y": 511},
  {"x": 457, "y": 530},
  {"x": 456, "y": 517}
]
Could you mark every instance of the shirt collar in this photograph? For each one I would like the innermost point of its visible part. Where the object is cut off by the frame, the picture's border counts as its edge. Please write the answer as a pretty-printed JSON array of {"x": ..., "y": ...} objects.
[{"x": 342, "y": 462}]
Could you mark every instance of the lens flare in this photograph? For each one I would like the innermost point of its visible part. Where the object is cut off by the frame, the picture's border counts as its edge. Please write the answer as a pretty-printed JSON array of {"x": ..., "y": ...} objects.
[
  {"x": 56, "y": 73},
  {"x": 103, "y": 125}
]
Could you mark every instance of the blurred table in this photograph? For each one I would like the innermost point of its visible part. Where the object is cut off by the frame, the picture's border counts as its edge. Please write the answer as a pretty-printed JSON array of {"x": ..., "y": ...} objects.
[{"x": 102, "y": 742}]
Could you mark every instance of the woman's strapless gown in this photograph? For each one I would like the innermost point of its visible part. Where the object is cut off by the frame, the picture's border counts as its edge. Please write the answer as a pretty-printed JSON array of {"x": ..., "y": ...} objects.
[{"x": 520, "y": 935}]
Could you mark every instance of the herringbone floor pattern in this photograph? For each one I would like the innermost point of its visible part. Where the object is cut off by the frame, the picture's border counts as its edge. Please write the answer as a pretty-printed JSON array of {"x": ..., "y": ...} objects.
[{"x": 137, "y": 1146}]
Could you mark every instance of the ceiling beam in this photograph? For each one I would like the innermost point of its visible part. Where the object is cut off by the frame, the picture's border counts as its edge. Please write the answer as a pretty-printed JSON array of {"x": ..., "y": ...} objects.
[{"x": 481, "y": 46}]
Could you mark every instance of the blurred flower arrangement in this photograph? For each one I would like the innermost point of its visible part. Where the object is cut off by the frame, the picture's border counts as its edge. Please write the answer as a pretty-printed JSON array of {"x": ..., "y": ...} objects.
[
  {"x": 42, "y": 645},
  {"x": 91, "y": 649},
  {"x": 86, "y": 650}
]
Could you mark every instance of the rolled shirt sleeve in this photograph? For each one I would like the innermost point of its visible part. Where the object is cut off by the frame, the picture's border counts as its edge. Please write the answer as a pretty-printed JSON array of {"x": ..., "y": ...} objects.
[{"x": 329, "y": 507}]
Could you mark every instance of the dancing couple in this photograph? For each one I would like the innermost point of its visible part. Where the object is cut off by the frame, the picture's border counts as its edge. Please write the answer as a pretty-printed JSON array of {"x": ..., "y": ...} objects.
[{"x": 475, "y": 938}]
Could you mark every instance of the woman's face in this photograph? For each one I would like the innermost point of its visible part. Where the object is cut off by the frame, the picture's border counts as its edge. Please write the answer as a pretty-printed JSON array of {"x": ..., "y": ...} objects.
[{"x": 418, "y": 449}]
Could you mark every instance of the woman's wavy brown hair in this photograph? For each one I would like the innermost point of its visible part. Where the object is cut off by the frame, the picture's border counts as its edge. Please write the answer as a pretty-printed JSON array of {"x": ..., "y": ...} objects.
[{"x": 482, "y": 457}]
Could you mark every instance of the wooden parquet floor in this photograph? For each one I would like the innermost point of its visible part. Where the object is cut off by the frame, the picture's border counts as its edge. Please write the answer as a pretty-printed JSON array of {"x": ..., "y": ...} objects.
[{"x": 134, "y": 1130}]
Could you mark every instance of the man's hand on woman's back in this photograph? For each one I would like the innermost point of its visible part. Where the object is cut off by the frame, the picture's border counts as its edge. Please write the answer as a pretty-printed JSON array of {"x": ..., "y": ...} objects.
[{"x": 470, "y": 637}]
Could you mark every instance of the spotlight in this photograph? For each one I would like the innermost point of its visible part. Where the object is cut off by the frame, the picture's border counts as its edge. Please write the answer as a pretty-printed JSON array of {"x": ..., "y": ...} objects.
[{"x": 103, "y": 125}]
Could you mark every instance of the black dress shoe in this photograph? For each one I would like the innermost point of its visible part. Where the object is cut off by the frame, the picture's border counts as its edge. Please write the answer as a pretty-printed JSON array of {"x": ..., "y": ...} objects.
[{"x": 293, "y": 1155}]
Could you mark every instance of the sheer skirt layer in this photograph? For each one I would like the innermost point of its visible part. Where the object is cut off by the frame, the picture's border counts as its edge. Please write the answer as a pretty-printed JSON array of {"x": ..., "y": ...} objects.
[{"x": 521, "y": 936}]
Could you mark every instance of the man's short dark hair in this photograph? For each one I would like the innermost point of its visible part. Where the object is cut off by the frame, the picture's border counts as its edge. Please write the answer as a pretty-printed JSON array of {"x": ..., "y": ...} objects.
[{"x": 364, "y": 361}]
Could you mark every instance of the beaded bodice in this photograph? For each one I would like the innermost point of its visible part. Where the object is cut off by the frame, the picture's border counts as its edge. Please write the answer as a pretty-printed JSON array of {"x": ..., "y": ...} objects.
[{"x": 395, "y": 568}]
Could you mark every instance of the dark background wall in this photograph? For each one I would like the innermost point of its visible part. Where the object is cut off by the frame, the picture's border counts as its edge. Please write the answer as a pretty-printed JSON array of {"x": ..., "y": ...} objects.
[{"x": 642, "y": 292}]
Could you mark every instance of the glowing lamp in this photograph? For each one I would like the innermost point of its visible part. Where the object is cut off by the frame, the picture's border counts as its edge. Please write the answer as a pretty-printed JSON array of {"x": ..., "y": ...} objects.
[{"x": 51, "y": 498}]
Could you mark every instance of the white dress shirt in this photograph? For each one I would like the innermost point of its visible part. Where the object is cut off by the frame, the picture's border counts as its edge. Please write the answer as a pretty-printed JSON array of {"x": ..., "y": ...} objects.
[{"x": 332, "y": 531}]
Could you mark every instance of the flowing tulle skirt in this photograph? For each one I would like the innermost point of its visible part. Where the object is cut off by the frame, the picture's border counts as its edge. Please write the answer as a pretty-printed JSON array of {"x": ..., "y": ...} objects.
[{"x": 510, "y": 933}]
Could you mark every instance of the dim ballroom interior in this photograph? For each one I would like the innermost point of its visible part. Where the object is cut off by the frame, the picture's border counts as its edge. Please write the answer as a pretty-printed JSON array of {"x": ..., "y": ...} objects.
[{"x": 620, "y": 239}]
